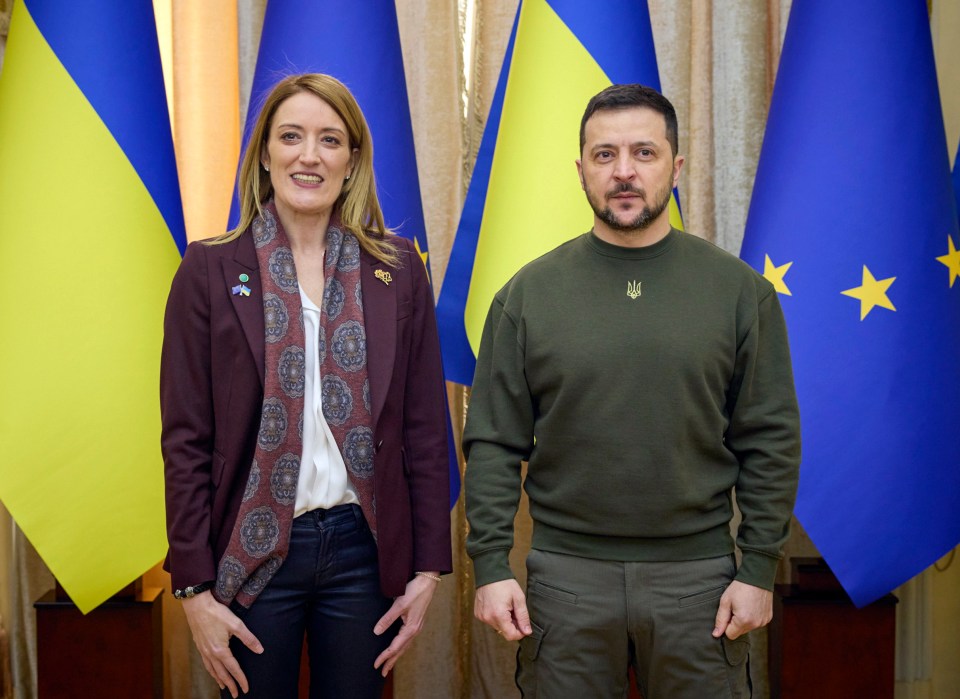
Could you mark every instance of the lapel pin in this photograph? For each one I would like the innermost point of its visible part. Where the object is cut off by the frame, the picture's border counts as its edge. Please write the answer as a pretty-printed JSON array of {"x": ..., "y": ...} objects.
[
  {"x": 244, "y": 278},
  {"x": 240, "y": 289},
  {"x": 383, "y": 276}
]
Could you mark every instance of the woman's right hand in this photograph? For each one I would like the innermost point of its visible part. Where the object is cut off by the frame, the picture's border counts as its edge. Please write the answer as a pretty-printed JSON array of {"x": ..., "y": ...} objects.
[{"x": 212, "y": 625}]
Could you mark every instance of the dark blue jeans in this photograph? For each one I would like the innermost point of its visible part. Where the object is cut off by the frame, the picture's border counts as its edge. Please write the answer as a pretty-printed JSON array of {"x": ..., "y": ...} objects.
[{"x": 329, "y": 589}]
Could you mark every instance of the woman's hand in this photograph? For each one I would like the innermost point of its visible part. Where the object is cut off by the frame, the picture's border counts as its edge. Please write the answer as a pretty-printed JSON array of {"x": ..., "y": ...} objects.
[
  {"x": 212, "y": 625},
  {"x": 412, "y": 608}
]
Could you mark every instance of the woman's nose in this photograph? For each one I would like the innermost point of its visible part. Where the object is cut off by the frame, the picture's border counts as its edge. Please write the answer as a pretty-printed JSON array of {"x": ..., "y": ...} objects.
[{"x": 309, "y": 152}]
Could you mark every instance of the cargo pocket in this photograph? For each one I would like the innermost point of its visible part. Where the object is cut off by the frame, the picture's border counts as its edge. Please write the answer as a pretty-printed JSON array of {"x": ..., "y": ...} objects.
[
  {"x": 737, "y": 650},
  {"x": 737, "y": 653},
  {"x": 526, "y": 677}
]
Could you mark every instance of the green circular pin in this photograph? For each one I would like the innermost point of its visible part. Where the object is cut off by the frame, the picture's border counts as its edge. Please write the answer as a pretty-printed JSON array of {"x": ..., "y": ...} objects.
[{"x": 244, "y": 277}]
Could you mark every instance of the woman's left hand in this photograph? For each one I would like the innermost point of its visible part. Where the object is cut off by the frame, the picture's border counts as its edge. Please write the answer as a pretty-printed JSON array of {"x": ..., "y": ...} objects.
[{"x": 412, "y": 608}]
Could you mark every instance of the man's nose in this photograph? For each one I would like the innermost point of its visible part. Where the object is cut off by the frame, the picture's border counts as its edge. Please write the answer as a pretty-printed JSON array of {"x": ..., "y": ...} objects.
[{"x": 623, "y": 168}]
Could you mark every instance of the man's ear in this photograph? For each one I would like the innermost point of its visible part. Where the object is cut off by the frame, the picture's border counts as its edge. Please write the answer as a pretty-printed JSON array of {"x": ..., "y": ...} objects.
[{"x": 678, "y": 162}]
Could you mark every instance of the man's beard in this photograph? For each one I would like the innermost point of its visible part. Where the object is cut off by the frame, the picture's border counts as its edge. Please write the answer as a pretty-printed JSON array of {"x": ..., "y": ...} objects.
[{"x": 642, "y": 220}]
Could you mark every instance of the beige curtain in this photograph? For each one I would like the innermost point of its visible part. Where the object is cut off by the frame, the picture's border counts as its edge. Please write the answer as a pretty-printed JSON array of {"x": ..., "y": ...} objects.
[
  {"x": 29, "y": 579},
  {"x": 717, "y": 63},
  {"x": 6, "y": 7},
  {"x": 206, "y": 117}
]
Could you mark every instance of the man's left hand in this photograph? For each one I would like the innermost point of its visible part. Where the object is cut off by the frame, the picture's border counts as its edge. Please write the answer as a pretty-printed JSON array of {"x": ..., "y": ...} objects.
[{"x": 743, "y": 608}]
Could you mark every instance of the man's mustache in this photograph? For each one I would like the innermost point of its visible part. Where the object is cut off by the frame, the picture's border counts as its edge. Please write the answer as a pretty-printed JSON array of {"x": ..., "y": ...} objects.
[{"x": 626, "y": 188}]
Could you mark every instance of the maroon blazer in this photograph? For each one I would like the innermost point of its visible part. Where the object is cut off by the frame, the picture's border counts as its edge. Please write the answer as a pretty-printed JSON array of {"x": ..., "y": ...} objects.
[{"x": 211, "y": 394}]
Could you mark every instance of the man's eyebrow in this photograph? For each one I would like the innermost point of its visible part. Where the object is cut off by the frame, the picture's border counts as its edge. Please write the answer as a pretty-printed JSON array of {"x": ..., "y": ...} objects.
[{"x": 635, "y": 144}]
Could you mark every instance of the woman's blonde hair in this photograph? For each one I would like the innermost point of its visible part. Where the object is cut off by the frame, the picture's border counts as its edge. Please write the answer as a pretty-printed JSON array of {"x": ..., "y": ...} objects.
[{"x": 357, "y": 204}]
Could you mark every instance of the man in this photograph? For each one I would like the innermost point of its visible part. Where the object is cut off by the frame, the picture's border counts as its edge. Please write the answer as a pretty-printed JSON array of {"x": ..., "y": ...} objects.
[{"x": 645, "y": 375}]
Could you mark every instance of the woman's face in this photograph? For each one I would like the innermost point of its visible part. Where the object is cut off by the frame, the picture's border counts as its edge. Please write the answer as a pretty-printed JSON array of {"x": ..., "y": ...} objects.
[{"x": 308, "y": 155}]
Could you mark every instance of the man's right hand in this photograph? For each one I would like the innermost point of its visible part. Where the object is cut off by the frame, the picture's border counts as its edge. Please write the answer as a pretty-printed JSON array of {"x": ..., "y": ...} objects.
[
  {"x": 212, "y": 625},
  {"x": 502, "y": 605}
]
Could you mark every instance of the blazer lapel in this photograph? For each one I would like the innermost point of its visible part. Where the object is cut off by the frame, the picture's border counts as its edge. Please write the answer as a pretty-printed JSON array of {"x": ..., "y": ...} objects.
[
  {"x": 249, "y": 309},
  {"x": 380, "y": 321}
]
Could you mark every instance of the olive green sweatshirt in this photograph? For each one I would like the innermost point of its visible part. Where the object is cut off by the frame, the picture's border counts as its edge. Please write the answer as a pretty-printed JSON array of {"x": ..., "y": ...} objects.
[{"x": 643, "y": 385}]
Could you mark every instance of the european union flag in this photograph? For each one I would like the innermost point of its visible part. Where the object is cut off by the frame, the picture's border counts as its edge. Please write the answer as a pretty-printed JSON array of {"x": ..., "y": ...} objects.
[
  {"x": 524, "y": 197},
  {"x": 853, "y": 220}
]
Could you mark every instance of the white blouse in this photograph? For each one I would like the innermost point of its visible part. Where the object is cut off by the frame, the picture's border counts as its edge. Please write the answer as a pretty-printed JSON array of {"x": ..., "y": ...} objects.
[{"x": 323, "y": 479}]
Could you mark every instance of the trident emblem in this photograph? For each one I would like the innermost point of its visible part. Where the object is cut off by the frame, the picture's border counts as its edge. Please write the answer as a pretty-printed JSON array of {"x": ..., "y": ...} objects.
[{"x": 633, "y": 289}]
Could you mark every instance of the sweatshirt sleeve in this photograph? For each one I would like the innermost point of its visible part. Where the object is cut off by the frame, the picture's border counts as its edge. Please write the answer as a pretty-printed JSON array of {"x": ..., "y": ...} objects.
[
  {"x": 764, "y": 434},
  {"x": 498, "y": 436}
]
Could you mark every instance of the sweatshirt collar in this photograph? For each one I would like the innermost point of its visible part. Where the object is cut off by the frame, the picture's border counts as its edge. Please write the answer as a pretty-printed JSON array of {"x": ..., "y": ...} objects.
[{"x": 609, "y": 250}]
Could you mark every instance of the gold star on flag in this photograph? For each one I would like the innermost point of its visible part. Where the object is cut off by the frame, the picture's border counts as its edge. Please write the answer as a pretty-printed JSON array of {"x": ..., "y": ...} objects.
[
  {"x": 951, "y": 260},
  {"x": 872, "y": 292},
  {"x": 423, "y": 255},
  {"x": 775, "y": 275}
]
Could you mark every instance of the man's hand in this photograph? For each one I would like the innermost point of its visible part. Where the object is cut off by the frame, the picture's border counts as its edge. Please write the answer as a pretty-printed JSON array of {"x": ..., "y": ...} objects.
[
  {"x": 412, "y": 608},
  {"x": 212, "y": 625},
  {"x": 743, "y": 608},
  {"x": 502, "y": 605}
]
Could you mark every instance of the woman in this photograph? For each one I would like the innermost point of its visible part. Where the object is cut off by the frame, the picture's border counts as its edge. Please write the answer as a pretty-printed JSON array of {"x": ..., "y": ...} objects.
[{"x": 304, "y": 427}]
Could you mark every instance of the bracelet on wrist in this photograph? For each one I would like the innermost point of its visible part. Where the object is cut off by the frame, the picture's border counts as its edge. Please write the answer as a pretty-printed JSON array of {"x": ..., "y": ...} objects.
[
  {"x": 193, "y": 590},
  {"x": 431, "y": 576}
]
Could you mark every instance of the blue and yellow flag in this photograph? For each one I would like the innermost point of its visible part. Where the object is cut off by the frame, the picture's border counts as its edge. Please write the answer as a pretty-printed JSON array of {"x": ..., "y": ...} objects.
[
  {"x": 88, "y": 195},
  {"x": 359, "y": 44},
  {"x": 853, "y": 220},
  {"x": 524, "y": 197}
]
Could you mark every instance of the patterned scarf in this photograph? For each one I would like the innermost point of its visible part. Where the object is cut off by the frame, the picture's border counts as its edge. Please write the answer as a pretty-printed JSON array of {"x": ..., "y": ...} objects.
[{"x": 261, "y": 536}]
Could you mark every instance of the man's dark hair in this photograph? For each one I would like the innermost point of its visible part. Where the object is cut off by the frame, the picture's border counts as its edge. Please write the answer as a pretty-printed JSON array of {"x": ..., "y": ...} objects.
[{"x": 629, "y": 97}]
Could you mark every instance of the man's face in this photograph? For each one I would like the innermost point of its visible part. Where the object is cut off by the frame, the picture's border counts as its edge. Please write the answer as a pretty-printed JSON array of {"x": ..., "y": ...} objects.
[{"x": 628, "y": 171}]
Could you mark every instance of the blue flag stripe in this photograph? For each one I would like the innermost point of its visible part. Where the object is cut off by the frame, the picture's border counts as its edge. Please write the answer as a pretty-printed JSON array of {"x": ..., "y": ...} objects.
[
  {"x": 620, "y": 38},
  {"x": 111, "y": 51}
]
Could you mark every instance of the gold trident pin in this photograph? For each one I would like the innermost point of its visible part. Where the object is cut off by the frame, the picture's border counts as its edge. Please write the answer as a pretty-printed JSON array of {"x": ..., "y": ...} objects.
[
  {"x": 383, "y": 276},
  {"x": 633, "y": 289}
]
